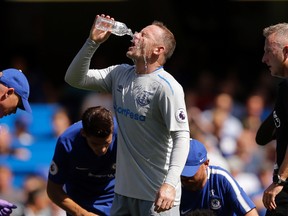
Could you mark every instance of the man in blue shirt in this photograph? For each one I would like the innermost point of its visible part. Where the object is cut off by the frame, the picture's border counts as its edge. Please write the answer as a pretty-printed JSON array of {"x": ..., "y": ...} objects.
[
  {"x": 211, "y": 187},
  {"x": 14, "y": 94},
  {"x": 82, "y": 173}
]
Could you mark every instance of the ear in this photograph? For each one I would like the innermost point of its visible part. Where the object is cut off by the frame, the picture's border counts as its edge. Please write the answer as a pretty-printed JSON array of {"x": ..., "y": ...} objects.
[
  {"x": 158, "y": 50},
  {"x": 7, "y": 92},
  {"x": 285, "y": 52},
  {"x": 10, "y": 91}
]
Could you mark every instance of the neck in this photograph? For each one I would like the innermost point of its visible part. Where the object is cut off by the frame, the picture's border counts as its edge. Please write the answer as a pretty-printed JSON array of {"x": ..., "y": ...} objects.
[{"x": 147, "y": 69}]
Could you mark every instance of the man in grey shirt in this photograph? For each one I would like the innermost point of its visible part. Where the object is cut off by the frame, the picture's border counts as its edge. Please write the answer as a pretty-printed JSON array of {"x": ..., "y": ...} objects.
[{"x": 153, "y": 133}]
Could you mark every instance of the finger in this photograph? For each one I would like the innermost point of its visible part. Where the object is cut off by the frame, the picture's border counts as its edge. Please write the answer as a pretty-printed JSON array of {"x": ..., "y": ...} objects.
[
  {"x": 273, "y": 204},
  {"x": 157, "y": 209},
  {"x": 168, "y": 205},
  {"x": 4, "y": 203},
  {"x": 159, "y": 206},
  {"x": 164, "y": 205},
  {"x": 265, "y": 201},
  {"x": 8, "y": 211},
  {"x": 2, "y": 212},
  {"x": 158, "y": 202}
]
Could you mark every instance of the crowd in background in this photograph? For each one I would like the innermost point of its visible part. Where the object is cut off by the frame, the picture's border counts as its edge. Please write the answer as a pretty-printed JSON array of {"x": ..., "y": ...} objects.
[
  {"x": 222, "y": 114},
  {"x": 225, "y": 110}
]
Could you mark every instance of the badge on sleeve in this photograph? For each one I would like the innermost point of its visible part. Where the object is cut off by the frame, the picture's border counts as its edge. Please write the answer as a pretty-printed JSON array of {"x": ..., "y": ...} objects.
[
  {"x": 53, "y": 168},
  {"x": 181, "y": 115}
]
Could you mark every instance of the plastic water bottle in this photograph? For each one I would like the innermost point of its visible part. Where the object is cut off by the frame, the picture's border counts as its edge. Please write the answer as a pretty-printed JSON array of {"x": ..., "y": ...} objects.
[{"x": 116, "y": 28}]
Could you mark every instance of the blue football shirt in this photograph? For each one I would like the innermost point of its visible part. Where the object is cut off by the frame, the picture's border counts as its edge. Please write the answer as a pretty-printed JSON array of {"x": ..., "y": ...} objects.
[
  {"x": 89, "y": 179},
  {"x": 221, "y": 193}
]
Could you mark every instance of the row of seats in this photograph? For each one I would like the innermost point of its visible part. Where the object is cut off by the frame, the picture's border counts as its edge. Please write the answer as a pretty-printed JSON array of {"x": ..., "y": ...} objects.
[{"x": 39, "y": 125}]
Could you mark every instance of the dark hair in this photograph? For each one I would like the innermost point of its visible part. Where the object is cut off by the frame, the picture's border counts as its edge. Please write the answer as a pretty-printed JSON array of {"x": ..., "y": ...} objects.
[{"x": 97, "y": 121}]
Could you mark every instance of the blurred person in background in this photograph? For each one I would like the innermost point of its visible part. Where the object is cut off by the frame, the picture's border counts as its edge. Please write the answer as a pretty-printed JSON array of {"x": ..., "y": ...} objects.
[
  {"x": 33, "y": 74},
  {"x": 60, "y": 121},
  {"x": 248, "y": 181},
  {"x": 96, "y": 99},
  {"x": 7, "y": 150},
  {"x": 7, "y": 189},
  {"x": 197, "y": 131},
  {"x": 254, "y": 109},
  {"x": 265, "y": 174},
  {"x": 219, "y": 121},
  {"x": 251, "y": 154},
  {"x": 21, "y": 133},
  {"x": 84, "y": 163},
  {"x": 35, "y": 201}
]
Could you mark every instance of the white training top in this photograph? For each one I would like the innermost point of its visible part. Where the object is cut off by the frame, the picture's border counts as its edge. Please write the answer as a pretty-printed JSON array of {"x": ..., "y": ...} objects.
[{"x": 149, "y": 109}]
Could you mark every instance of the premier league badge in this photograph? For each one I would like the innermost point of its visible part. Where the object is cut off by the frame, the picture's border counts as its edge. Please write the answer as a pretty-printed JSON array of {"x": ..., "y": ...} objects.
[{"x": 181, "y": 116}]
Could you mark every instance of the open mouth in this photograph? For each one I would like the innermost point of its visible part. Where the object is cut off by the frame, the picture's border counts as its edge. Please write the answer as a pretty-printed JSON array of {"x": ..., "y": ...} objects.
[
  {"x": 132, "y": 43},
  {"x": 135, "y": 42}
]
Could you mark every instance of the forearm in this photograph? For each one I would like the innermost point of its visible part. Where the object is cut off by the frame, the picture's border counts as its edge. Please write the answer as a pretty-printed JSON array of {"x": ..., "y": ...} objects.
[
  {"x": 78, "y": 69},
  {"x": 70, "y": 206},
  {"x": 60, "y": 198},
  {"x": 178, "y": 156}
]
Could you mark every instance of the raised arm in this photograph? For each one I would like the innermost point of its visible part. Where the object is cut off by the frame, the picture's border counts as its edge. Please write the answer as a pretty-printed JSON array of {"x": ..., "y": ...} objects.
[{"x": 77, "y": 74}]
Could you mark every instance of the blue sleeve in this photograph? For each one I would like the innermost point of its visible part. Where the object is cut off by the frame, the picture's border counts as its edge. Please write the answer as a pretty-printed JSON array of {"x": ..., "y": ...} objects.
[
  {"x": 59, "y": 168},
  {"x": 236, "y": 196}
]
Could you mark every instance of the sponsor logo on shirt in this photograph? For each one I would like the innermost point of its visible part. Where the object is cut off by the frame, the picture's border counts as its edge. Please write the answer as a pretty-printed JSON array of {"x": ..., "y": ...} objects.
[
  {"x": 101, "y": 176},
  {"x": 183, "y": 212},
  {"x": 201, "y": 160},
  {"x": 127, "y": 113}
]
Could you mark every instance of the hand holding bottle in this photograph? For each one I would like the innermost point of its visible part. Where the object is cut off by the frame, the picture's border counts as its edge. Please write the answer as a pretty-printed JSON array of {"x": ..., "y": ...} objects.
[
  {"x": 97, "y": 35},
  {"x": 115, "y": 27}
]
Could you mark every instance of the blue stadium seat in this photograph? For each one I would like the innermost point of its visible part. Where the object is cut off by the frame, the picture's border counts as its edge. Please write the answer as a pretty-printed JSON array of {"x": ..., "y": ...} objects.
[{"x": 42, "y": 148}]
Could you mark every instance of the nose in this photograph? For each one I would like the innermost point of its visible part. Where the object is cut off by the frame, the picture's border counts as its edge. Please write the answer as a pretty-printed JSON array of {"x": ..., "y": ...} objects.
[{"x": 136, "y": 35}]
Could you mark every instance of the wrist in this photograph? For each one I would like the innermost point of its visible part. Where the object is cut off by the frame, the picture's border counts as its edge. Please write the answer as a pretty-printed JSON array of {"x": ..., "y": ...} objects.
[
  {"x": 93, "y": 42},
  {"x": 277, "y": 180}
]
